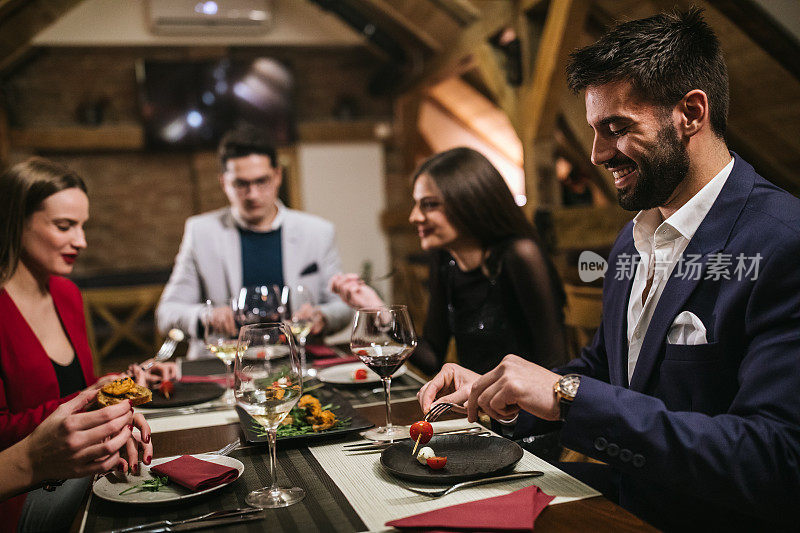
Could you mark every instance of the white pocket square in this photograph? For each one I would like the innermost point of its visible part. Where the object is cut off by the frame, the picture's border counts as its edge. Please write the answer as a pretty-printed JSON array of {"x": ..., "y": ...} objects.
[{"x": 687, "y": 329}]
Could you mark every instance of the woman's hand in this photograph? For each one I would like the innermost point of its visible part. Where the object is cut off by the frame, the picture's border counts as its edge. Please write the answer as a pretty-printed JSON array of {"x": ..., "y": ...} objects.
[
  {"x": 156, "y": 373},
  {"x": 138, "y": 442},
  {"x": 70, "y": 443},
  {"x": 354, "y": 292}
]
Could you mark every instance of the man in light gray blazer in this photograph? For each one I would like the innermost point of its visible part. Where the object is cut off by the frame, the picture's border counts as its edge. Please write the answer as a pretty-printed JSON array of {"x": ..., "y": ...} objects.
[{"x": 254, "y": 241}]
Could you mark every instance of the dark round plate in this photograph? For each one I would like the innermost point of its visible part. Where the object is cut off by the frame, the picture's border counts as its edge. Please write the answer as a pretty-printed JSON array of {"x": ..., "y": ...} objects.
[
  {"x": 468, "y": 457},
  {"x": 186, "y": 394}
]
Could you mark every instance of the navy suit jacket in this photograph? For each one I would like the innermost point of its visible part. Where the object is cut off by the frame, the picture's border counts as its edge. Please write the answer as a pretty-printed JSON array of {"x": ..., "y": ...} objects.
[{"x": 706, "y": 432}]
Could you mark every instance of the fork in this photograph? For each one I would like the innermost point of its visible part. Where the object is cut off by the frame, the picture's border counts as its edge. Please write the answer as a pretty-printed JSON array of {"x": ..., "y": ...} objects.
[
  {"x": 474, "y": 482},
  {"x": 167, "y": 349},
  {"x": 225, "y": 450},
  {"x": 441, "y": 408}
]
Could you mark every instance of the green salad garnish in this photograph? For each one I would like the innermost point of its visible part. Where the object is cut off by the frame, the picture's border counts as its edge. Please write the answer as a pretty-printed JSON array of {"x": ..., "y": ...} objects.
[
  {"x": 151, "y": 485},
  {"x": 299, "y": 424}
]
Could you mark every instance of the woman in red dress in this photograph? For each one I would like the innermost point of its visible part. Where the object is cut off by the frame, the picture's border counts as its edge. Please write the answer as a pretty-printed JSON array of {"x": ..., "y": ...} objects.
[{"x": 44, "y": 351}]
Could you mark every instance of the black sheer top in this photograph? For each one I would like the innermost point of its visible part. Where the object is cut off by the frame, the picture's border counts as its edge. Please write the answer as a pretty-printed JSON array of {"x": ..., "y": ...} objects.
[
  {"x": 70, "y": 377},
  {"x": 516, "y": 308}
]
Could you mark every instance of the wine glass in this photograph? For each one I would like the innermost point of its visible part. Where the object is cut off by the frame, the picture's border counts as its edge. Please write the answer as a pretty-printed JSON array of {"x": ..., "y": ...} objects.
[
  {"x": 299, "y": 296},
  {"x": 257, "y": 305},
  {"x": 268, "y": 389},
  {"x": 222, "y": 343},
  {"x": 383, "y": 338}
]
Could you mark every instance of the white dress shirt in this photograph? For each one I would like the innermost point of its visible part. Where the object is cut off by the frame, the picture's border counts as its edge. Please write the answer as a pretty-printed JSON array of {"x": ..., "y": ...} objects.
[{"x": 660, "y": 244}]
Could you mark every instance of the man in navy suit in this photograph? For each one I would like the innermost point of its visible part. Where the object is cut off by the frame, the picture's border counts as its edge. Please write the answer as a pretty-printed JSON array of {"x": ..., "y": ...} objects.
[{"x": 690, "y": 390}]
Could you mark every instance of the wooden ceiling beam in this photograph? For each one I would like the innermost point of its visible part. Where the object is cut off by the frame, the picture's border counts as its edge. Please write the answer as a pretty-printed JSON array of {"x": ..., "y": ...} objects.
[
  {"x": 494, "y": 78},
  {"x": 21, "y": 25},
  {"x": 461, "y": 55},
  {"x": 462, "y": 11},
  {"x": 385, "y": 10},
  {"x": 766, "y": 32},
  {"x": 541, "y": 96}
]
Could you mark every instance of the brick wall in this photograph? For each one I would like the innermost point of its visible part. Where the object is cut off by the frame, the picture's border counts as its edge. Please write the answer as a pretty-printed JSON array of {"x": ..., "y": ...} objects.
[{"x": 139, "y": 199}]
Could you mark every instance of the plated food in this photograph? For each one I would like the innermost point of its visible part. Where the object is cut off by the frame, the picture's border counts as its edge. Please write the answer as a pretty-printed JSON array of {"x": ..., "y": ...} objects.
[
  {"x": 110, "y": 486},
  {"x": 310, "y": 412},
  {"x": 123, "y": 389},
  {"x": 453, "y": 458},
  {"x": 348, "y": 374}
]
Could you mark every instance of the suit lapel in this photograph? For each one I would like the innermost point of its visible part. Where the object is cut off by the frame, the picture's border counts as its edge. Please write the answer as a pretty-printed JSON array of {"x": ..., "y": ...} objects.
[
  {"x": 230, "y": 247},
  {"x": 710, "y": 238},
  {"x": 290, "y": 240},
  {"x": 616, "y": 302}
]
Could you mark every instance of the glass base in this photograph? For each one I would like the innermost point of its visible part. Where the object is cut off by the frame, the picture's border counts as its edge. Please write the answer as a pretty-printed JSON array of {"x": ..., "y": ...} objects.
[
  {"x": 383, "y": 433},
  {"x": 267, "y": 498},
  {"x": 228, "y": 398}
]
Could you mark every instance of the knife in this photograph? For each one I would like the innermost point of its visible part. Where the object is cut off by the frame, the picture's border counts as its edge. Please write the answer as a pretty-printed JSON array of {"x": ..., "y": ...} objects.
[
  {"x": 231, "y": 514},
  {"x": 211, "y": 523},
  {"x": 187, "y": 411}
]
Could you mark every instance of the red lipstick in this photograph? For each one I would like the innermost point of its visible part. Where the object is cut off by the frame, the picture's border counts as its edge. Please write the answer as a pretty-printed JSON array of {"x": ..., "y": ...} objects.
[{"x": 69, "y": 259}]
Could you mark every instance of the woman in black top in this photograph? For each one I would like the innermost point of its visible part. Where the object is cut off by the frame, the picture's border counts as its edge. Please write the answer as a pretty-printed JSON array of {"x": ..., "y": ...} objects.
[{"x": 492, "y": 288}]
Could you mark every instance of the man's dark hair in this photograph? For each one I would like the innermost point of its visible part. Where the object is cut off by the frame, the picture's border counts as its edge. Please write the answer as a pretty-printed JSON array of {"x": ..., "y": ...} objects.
[
  {"x": 244, "y": 141},
  {"x": 664, "y": 57}
]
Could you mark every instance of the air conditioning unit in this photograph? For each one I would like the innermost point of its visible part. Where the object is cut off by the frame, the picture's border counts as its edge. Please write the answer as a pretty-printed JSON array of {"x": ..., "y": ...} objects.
[{"x": 187, "y": 17}]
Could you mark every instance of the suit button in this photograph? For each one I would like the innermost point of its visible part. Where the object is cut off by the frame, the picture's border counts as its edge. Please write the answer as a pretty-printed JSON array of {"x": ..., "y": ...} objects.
[
  {"x": 600, "y": 444},
  {"x": 638, "y": 460},
  {"x": 625, "y": 455},
  {"x": 612, "y": 450}
]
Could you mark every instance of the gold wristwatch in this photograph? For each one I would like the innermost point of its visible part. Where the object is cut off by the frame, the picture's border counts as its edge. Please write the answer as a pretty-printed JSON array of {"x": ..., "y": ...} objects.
[{"x": 565, "y": 389}]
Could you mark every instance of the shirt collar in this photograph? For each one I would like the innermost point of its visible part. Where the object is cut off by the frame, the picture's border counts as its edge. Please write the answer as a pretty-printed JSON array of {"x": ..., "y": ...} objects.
[
  {"x": 685, "y": 221},
  {"x": 691, "y": 214},
  {"x": 277, "y": 222}
]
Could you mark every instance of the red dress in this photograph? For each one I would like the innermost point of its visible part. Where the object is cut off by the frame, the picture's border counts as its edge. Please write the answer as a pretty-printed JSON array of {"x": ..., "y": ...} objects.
[{"x": 28, "y": 387}]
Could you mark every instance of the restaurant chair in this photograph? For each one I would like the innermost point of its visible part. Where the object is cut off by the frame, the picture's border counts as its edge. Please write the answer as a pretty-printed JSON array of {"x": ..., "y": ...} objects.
[{"x": 127, "y": 313}]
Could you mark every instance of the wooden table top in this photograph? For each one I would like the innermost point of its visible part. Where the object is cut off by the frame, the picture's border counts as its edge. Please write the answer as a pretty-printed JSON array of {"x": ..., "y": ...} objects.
[{"x": 592, "y": 514}]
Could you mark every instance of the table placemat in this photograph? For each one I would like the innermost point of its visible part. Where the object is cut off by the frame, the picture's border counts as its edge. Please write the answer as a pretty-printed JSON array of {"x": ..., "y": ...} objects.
[
  {"x": 378, "y": 497},
  {"x": 197, "y": 420},
  {"x": 324, "y": 508},
  {"x": 404, "y": 388}
]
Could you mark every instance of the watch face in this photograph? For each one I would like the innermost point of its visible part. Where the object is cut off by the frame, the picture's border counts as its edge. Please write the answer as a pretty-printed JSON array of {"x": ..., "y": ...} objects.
[{"x": 569, "y": 385}]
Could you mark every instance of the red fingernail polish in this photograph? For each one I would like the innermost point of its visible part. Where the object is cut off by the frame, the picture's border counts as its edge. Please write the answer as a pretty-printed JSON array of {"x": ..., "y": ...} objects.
[
  {"x": 147, "y": 460},
  {"x": 147, "y": 439},
  {"x": 130, "y": 426}
]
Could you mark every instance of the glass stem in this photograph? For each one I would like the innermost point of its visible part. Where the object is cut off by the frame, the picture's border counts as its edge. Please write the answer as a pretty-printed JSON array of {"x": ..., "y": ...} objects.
[
  {"x": 228, "y": 384},
  {"x": 387, "y": 383},
  {"x": 272, "y": 435},
  {"x": 302, "y": 343}
]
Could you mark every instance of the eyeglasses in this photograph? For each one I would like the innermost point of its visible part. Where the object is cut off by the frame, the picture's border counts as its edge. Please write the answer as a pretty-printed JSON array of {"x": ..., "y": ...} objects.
[{"x": 261, "y": 184}]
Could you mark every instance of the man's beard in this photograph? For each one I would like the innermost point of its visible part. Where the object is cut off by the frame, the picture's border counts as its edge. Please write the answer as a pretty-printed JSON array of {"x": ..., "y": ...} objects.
[{"x": 660, "y": 173}]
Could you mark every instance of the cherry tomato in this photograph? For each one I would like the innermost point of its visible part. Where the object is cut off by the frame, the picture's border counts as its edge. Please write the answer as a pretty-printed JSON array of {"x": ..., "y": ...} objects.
[
  {"x": 360, "y": 374},
  {"x": 166, "y": 388},
  {"x": 437, "y": 463},
  {"x": 361, "y": 352},
  {"x": 421, "y": 429}
]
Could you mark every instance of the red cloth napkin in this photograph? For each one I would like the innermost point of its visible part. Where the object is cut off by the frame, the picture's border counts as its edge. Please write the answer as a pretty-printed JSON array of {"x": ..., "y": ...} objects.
[
  {"x": 320, "y": 350},
  {"x": 331, "y": 361},
  {"x": 195, "y": 474},
  {"x": 512, "y": 512},
  {"x": 219, "y": 380}
]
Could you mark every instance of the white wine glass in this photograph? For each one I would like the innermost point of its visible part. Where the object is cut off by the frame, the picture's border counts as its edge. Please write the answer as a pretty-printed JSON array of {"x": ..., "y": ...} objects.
[
  {"x": 258, "y": 305},
  {"x": 222, "y": 343},
  {"x": 268, "y": 389},
  {"x": 299, "y": 297},
  {"x": 383, "y": 338}
]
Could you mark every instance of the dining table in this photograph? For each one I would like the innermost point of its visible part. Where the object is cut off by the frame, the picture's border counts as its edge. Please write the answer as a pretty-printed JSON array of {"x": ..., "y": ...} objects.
[{"x": 344, "y": 492}]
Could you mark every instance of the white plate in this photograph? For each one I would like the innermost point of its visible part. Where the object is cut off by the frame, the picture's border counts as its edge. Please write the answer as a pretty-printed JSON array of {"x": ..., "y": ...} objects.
[
  {"x": 343, "y": 374},
  {"x": 267, "y": 352},
  {"x": 107, "y": 490}
]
